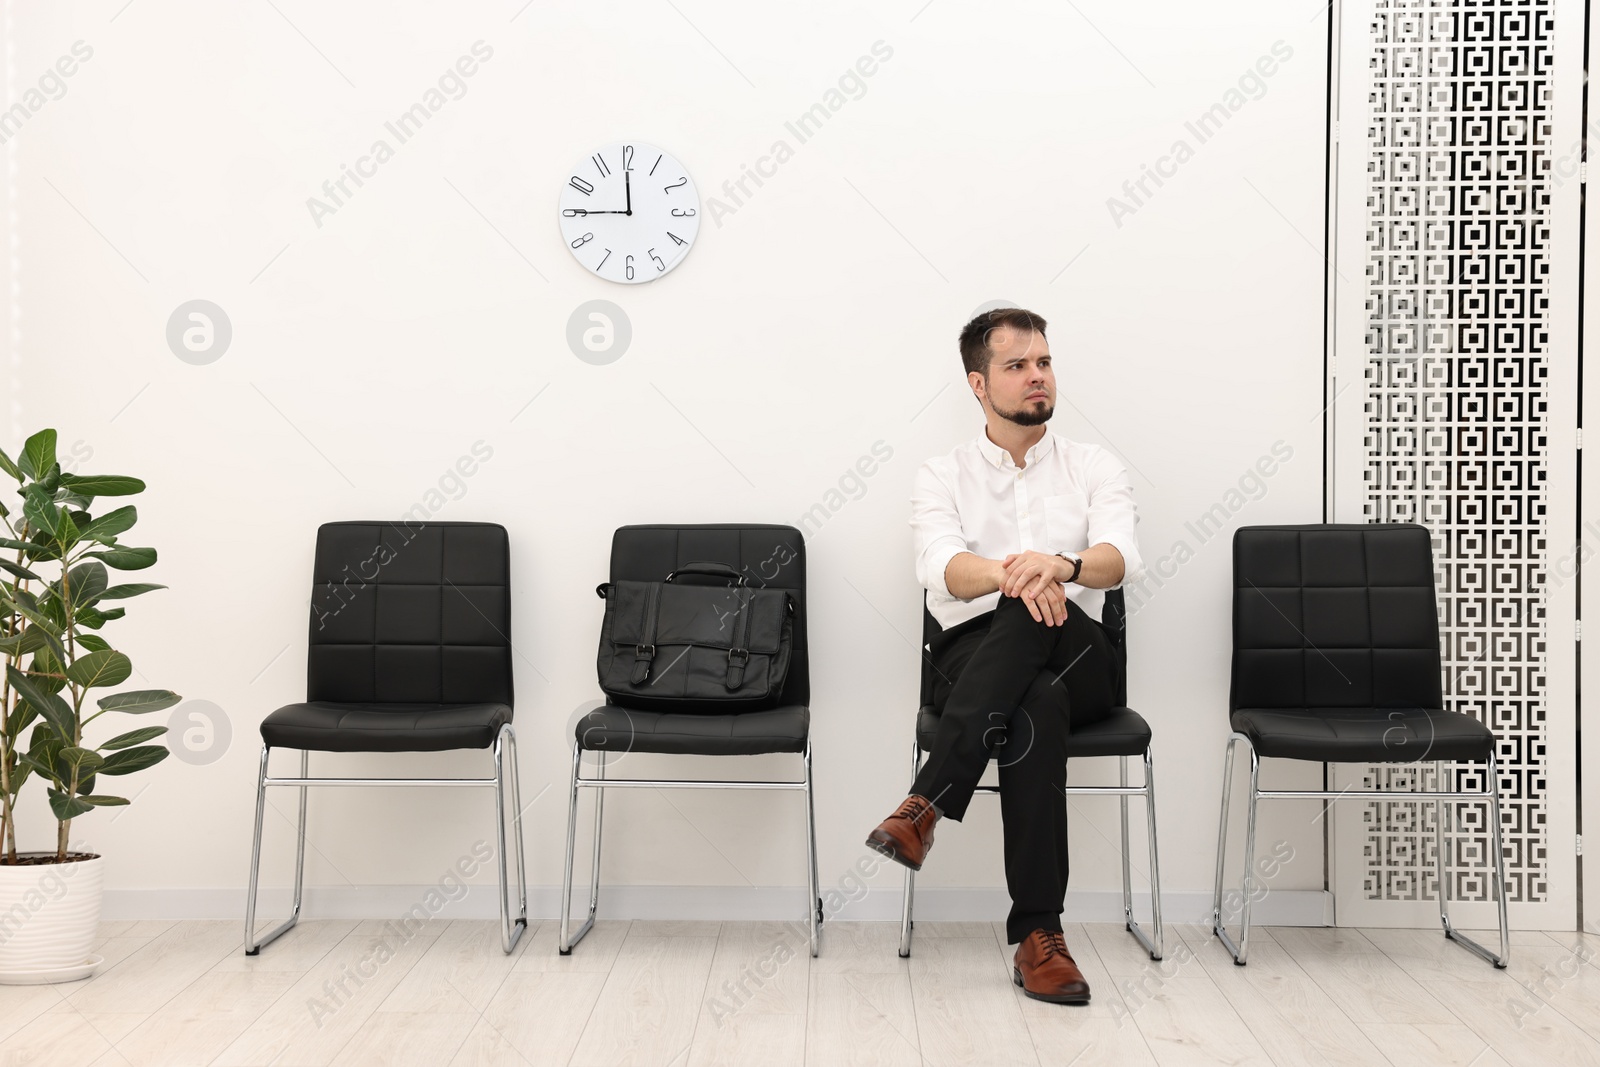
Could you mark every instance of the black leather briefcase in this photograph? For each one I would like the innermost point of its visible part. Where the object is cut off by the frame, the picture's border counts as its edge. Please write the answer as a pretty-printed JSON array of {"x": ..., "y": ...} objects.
[{"x": 713, "y": 649}]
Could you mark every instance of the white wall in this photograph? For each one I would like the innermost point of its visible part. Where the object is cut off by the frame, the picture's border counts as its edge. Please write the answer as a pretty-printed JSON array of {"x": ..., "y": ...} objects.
[{"x": 816, "y": 319}]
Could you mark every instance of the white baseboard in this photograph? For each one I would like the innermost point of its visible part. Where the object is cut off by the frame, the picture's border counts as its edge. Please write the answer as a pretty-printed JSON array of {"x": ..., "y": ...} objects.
[{"x": 736, "y": 903}]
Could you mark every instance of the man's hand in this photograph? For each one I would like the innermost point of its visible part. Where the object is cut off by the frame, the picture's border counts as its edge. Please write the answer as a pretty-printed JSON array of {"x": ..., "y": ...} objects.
[
  {"x": 1027, "y": 573},
  {"x": 1049, "y": 605},
  {"x": 1037, "y": 579}
]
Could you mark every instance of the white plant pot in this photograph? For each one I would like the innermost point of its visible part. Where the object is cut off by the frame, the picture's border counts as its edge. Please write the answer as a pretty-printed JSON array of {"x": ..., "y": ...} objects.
[{"x": 49, "y": 913}]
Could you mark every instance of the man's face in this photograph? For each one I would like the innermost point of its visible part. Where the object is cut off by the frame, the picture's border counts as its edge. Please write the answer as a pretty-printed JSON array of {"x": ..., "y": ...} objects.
[{"x": 1021, "y": 383}]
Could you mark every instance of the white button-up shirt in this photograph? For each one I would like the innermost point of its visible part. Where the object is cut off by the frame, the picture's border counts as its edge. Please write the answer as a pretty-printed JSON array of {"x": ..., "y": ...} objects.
[{"x": 1067, "y": 497}]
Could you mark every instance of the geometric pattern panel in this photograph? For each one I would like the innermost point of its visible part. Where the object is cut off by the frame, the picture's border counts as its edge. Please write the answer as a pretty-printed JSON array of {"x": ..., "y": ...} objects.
[{"x": 1457, "y": 271}]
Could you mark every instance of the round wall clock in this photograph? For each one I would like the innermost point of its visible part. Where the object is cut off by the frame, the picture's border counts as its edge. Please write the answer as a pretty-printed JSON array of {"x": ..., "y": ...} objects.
[{"x": 629, "y": 212}]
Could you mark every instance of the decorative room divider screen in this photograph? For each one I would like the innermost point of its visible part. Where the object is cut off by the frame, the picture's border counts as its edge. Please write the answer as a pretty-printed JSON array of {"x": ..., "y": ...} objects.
[{"x": 1453, "y": 296}]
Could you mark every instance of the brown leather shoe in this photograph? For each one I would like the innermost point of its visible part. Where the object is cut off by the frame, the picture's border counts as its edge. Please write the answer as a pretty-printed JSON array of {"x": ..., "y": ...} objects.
[
  {"x": 1046, "y": 971},
  {"x": 907, "y": 835}
]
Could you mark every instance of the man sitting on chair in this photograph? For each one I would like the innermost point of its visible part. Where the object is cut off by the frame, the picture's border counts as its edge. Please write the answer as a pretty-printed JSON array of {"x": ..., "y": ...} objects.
[{"x": 1017, "y": 533}]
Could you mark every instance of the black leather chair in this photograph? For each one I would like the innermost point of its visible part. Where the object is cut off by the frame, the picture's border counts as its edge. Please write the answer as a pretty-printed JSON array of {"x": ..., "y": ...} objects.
[
  {"x": 1122, "y": 734},
  {"x": 770, "y": 556},
  {"x": 410, "y": 651},
  {"x": 1336, "y": 659}
]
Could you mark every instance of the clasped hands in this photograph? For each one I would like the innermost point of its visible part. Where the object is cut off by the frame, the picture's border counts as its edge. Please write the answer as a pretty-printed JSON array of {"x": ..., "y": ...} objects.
[{"x": 1039, "y": 579}]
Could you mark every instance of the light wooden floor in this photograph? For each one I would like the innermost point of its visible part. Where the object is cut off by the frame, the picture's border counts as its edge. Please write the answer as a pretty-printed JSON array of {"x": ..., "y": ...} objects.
[{"x": 663, "y": 994}]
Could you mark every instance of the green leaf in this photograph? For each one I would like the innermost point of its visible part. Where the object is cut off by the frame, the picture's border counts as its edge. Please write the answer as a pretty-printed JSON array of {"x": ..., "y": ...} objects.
[
  {"x": 122, "y": 592},
  {"x": 66, "y": 807},
  {"x": 102, "y": 484},
  {"x": 111, "y": 523},
  {"x": 79, "y": 757},
  {"x": 9, "y": 467},
  {"x": 133, "y": 737},
  {"x": 36, "y": 765},
  {"x": 41, "y": 547},
  {"x": 42, "y": 514},
  {"x": 38, "y": 638},
  {"x": 94, "y": 618},
  {"x": 25, "y": 600},
  {"x": 38, "y": 454},
  {"x": 101, "y": 668},
  {"x": 11, "y": 542},
  {"x": 43, "y": 746},
  {"x": 21, "y": 718},
  {"x": 139, "y": 701},
  {"x": 31, "y": 640},
  {"x": 103, "y": 801},
  {"x": 126, "y": 559},
  {"x": 86, "y": 582},
  {"x": 93, "y": 642},
  {"x": 55, "y": 711},
  {"x": 20, "y": 571},
  {"x": 133, "y": 759}
]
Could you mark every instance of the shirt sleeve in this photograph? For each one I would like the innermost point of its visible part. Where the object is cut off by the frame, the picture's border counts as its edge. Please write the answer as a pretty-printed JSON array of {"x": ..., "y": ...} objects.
[
  {"x": 1113, "y": 516},
  {"x": 935, "y": 529}
]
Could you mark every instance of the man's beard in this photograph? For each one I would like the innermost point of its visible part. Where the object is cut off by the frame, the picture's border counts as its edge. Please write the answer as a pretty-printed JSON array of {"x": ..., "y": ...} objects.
[{"x": 1028, "y": 414}]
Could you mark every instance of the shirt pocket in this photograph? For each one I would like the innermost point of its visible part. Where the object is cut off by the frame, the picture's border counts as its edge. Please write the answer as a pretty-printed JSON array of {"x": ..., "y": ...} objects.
[{"x": 1066, "y": 523}]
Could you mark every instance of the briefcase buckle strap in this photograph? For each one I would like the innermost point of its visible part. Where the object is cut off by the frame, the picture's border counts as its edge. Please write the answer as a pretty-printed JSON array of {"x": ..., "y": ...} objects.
[
  {"x": 737, "y": 658},
  {"x": 642, "y": 655}
]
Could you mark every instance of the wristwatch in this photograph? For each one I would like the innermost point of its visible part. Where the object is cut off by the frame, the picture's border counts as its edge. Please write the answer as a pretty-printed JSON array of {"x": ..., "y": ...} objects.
[{"x": 1077, "y": 564}]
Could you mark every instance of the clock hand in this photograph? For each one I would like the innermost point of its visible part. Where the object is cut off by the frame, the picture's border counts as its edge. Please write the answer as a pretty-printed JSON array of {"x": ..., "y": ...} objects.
[{"x": 627, "y": 187}]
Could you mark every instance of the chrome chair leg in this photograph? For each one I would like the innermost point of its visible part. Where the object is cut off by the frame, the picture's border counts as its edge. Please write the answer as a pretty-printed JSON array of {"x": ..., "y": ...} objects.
[
  {"x": 566, "y": 942},
  {"x": 1239, "y": 951},
  {"x": 1440, "y": 868},
  {"x": 599, "y": 814},
  {"x": 566, "y": 945},
  {"x": 911, "y": 876},
  {"x": 1249, "y": 856},
  {"x": 1127, "y": 876},
  {"x": 516, "y": 825},
  {"x": 1450, "y": 931},
  {"x": 252, "y": 944},
  {"x": 511, "y": 931},
  {"x": 814, "y": 905},
  {"x": 1153, "y": 943}
]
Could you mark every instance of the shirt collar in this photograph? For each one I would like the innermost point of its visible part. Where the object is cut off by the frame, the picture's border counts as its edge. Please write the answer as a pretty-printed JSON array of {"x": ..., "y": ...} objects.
[{"x": 999, "y": 457}]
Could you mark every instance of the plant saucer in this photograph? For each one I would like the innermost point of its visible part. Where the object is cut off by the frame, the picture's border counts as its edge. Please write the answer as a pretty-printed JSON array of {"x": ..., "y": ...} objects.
[{"x": 50, "y": 975}]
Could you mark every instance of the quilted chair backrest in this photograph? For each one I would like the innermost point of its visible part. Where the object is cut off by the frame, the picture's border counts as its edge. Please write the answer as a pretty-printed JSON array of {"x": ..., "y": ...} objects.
[
  {"x": 411, "y": 613},
  {"x": 1334, "y": 616}
]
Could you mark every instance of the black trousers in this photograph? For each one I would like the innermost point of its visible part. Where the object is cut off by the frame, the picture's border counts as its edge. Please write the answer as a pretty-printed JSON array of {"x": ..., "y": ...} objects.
[{"x": 1010, "y": 689}]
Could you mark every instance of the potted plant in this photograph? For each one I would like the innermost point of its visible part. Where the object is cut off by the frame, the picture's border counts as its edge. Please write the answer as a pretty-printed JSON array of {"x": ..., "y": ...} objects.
[{"x": 54, "y": 596}]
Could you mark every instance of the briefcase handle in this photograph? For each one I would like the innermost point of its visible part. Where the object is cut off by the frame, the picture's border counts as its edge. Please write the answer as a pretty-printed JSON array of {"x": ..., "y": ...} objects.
[{"x": 710, "y": 570}]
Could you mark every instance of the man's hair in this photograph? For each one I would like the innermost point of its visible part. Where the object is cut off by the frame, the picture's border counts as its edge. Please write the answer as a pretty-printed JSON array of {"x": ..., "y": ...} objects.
[{"x": 975, "y": 334}]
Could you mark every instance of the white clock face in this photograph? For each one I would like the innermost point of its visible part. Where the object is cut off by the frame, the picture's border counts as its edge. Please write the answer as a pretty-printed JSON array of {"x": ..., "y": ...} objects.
[{"x": 629, "y": 212}]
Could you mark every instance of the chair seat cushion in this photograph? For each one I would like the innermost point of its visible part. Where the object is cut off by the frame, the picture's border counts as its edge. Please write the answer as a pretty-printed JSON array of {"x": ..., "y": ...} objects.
[
  {"x": 1364, "y": 735},
  {"x": 617, "y": 729},
  {"x": 1122, "y": 733},
  {"x": 328, "y": 726}
]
